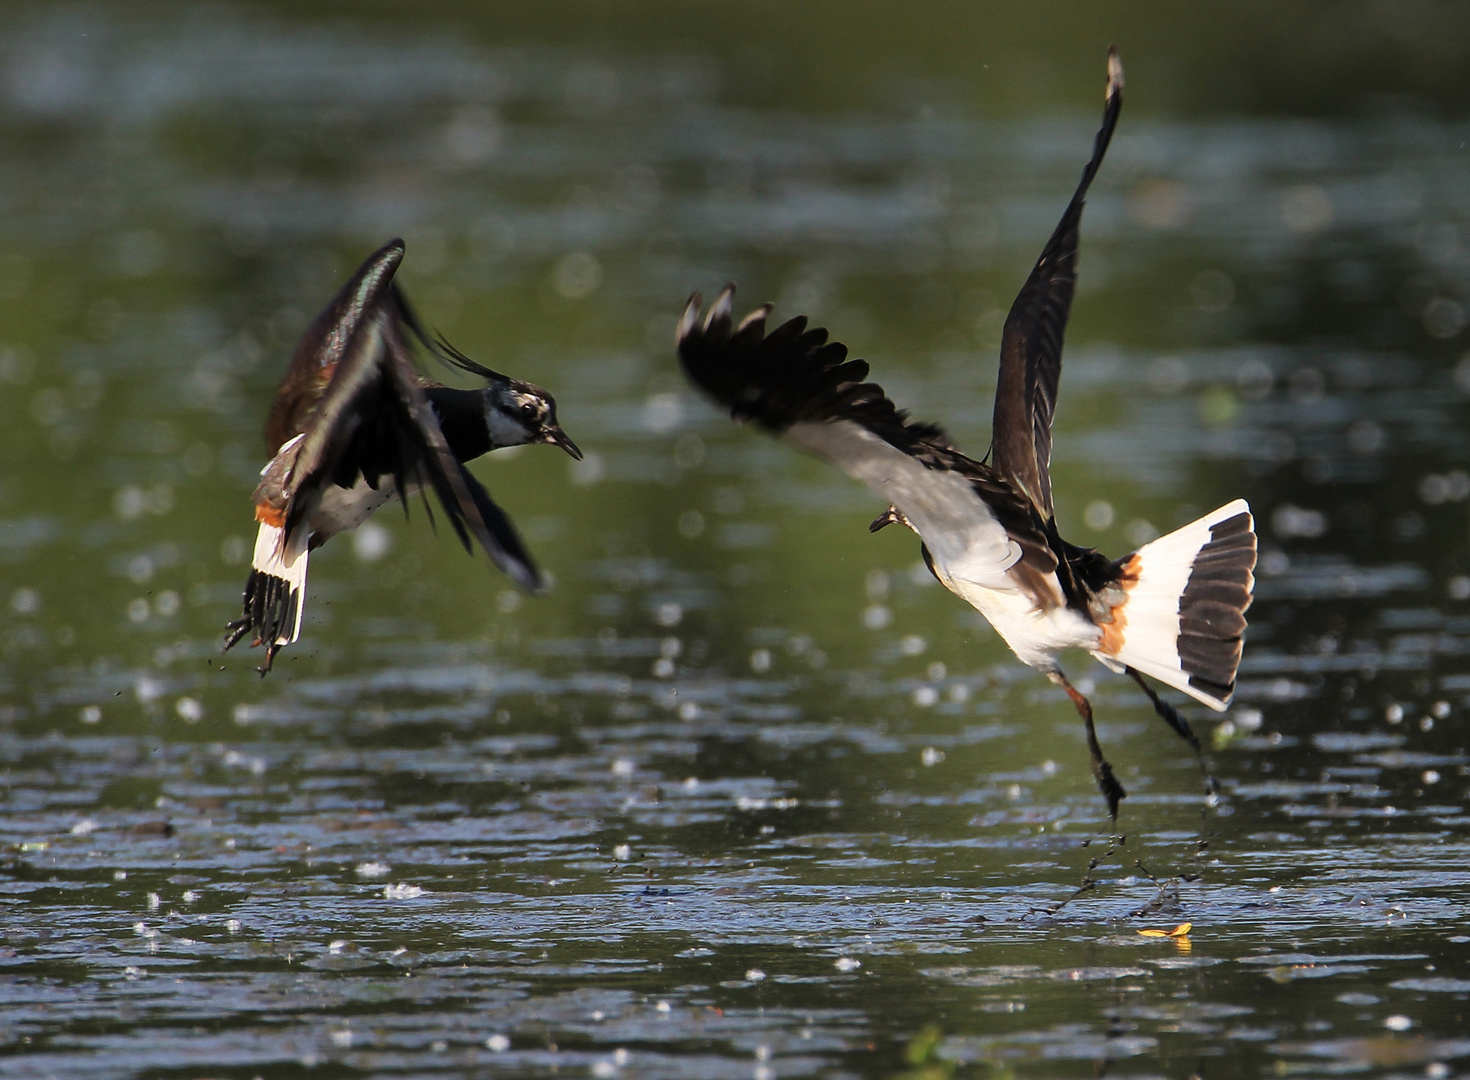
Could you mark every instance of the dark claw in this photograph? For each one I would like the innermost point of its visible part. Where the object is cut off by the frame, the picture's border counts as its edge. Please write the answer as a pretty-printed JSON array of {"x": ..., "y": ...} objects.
[
  {"x": 234, "y": 631},
  {"x": 883, "y": 520},
  {"x": 269, "y": 615}
]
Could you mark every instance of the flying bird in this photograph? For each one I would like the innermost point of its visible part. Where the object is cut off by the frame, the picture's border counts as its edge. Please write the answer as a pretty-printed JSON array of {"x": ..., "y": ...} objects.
[
  {"x": 1174, "y": 610},
  {"x": 355, "y": 426}
]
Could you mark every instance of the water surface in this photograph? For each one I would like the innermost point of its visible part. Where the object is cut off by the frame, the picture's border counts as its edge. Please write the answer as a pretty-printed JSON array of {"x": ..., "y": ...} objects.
[{"x": 746, "y": 794}]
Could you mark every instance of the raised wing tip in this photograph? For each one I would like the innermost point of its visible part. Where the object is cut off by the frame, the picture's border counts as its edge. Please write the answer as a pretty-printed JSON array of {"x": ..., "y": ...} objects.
[
  {"x": 755, "y": 323},
  {"x": 377, "y": 269},
  {"x": 390, "y": 254},
  {"x": 719, "y": 312},
  {"x": 689, "y": 319},
  {"x": 1115, "y": 73},
  {"x": 530, "y": 579},
  {"x": 519, "y": 569}
]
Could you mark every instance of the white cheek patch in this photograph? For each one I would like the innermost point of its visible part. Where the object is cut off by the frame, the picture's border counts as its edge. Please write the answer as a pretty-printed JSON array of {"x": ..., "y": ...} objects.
[{"x": 503, "y": 430}]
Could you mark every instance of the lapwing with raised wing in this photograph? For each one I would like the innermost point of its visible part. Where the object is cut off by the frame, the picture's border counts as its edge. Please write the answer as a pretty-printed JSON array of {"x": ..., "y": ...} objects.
[
  {"x": 355, "y": 426},
  {"x": 1174, "y": 610}
]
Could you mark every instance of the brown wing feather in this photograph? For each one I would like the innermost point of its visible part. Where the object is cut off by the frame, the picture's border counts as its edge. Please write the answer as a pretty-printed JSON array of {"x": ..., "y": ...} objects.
[
  {"x": 1031, "y": 343},
  {"x": 326, "y": 341}
]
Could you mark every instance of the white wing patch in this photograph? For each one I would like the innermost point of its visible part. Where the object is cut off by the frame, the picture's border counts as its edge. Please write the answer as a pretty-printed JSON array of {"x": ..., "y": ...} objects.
[{"x": 963, "y": 536}]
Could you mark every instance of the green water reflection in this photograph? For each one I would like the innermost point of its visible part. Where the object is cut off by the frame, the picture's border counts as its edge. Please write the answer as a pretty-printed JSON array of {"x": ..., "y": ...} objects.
[{"x": 746, "y": 794}]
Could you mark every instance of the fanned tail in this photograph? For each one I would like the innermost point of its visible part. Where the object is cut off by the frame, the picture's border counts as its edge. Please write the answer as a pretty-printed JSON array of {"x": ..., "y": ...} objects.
[{"x": 1182, "y": 619}]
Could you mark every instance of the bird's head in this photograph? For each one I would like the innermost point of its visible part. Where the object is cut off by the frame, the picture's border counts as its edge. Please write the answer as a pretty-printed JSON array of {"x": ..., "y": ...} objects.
[{"x": 517, "y": 413}]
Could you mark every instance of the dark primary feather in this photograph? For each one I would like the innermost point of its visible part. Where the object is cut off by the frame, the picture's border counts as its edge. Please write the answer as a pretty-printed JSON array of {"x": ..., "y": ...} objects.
[
  {"x": 795, "y": 375},
  {"x": 1031, "y": 343},
  {"x": 509, "y": 553}
]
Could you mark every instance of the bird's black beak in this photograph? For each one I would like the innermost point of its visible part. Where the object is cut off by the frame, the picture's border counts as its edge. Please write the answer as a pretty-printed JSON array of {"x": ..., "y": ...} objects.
[{"x": 553, "y": 434}]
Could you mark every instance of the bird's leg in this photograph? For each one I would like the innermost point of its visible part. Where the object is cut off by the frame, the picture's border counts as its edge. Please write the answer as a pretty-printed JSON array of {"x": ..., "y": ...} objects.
[
  {"x": 1167, "y": 712},
  {"x": 1088, "y": 881},
  {"x": 1176, "y": 720},
  {"x": 1102, "y": 772},
  {"x": 1166, "y": 899}
]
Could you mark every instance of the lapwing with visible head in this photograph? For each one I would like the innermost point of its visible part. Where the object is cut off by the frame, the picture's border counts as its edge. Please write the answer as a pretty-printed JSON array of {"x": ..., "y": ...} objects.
[
  {"x": 1173, "y": 610},
  {"x": 355, "y": 426}
]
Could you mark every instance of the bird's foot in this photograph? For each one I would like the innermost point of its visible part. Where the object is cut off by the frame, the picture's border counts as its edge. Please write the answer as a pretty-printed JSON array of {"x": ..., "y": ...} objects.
[
  {"x": 1102, "y": 772},
  {"x": 234, "y": 631},
  {"x": 1107, "y": 783}
]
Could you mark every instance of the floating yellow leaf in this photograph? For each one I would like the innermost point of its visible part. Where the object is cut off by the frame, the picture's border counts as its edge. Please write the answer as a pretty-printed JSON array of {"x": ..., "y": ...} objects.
[{"x": 1182, "y": 930}]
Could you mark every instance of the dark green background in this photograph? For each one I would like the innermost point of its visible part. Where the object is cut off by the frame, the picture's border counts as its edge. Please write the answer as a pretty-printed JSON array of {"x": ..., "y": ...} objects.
[{"x": 837, "y": 761}]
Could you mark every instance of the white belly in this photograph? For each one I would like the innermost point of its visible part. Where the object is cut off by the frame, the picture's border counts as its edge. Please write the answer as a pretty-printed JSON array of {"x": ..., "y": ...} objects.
[{"x": 1034, "y": 635}]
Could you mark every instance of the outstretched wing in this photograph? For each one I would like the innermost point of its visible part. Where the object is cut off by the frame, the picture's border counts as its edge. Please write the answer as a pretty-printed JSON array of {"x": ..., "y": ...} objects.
[
  {"x": 326, "y": 342},
  {"x": 1031, "y": 344},
  {"x": 375, "y": 423},
  {"x": 794, "y": 382}
]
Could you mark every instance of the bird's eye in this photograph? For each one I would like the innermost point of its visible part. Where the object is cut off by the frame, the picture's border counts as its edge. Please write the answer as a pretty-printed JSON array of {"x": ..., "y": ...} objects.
[{"x": 528, "y": 410}]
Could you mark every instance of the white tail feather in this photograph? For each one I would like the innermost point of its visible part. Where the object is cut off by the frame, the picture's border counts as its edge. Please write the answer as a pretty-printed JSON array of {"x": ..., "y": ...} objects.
[
  {"x": 1145, "y": 635},
  {"x": 273, "y": 558}
]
